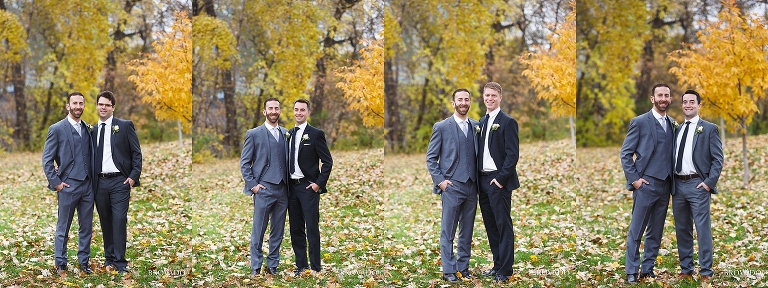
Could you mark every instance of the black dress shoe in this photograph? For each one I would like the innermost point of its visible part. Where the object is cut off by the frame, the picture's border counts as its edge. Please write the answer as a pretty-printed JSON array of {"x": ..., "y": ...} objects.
[
  {"x": 450, "y": 277},
  {"x": 298, "y": 271},
  {"x": 489, "y": 273},
  {"x": 648, "y": 275},
  {"x": 256, "y": 271},
  {"x": 501, "y": 278},
  {"x": 467, "y": 274},
  {"x": 272, "y": 270},
  {"x": 86, "y": 269},
  {"x": 61, "y": 269},
  {"x": 632, "y": 278}
]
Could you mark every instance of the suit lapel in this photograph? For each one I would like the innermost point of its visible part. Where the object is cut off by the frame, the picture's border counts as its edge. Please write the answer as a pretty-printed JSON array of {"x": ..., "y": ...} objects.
[
  {"x": 653, "y": 127},
  {"x": 695, "y": 136},
  {"x": 453, "y": 127},
  {"x": 70, "y": 138},
  {"x": 265, "y": 133},
  {"x": 306, "y": 132}
]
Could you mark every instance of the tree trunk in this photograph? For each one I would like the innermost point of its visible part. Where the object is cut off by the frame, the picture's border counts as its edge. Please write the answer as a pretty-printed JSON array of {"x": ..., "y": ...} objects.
[
  {"x": 743, "y": 123},
  {"x": 722, "y": 131},
  {"x": 391, "y": 103},
  {"x": 21, "y": 129},
  {"x": 573, "y": 131},
  {"x": 231, "y": 134},
  {"x": 178, "y": 127}
]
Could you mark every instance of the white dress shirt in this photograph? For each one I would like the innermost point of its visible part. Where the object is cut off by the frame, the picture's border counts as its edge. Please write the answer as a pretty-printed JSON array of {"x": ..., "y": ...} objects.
[
  {"x": 687, "y": 167},
  {"x": 462, "y": 122},
  {"x": 488, "y": 164},
  {"x": 76, "y": 125},
  {"x": 297, "y": 173},
  {"x": 107, "y": 163},
  {"x": 661, "y": 119}
]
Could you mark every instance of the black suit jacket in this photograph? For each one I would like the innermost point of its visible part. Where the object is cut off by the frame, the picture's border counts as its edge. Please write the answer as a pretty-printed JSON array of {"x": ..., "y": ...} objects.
[
  {"x": 504, "y": 147},
  {"x": 126, "y": 152},
  {"x": 312, "y": 153}
]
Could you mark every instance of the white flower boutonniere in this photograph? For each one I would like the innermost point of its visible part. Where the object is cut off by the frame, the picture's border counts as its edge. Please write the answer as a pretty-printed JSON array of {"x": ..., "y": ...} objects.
[
  {"x": 305, "y": 137},
  {"x": 477, "y": 129},
  {"x": 89, "y": 127},
  {"x": 287, "y": 136},
  {"x": 699, "y": 129},
  {"x": 674, "y": 123},
  {"x": 115, "y": 129},
  {"x": 495, "y": 127}
]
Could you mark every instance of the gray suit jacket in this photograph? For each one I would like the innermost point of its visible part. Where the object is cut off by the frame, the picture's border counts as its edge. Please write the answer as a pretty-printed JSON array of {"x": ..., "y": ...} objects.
[
  {"x": 707, "y": 152},
  {"x": 442, "y": 152},
  {"x": 60, "y": 150},
  {"x": 255, "y": 158},
  {"x": 640, "y": 142}
]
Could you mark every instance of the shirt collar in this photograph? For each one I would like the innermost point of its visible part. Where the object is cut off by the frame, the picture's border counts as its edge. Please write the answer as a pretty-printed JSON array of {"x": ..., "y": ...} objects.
[
  {"x": 656, "y": 114},
  {"x": 458, "y": 120},
  {"x": 109, "y": 122},
  {"x": 73, "y": 122},
  {"x": 302, "y": 126},
  {"x": 694, "y": 120},
  {"x": 269, "y": 126},
  {"x": 493, "y": 113}
]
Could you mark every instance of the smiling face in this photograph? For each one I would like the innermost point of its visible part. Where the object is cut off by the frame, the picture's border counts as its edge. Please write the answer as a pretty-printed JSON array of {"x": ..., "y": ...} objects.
[
  {"x": 661, "y": 99},
  {"x": 272, "y": 112},
  {"x": 300, "y": 112},
  {"x": 691, "y": 106},
  {"x": 461, "y": 103},
  {"x": 106, "y": 108},
  {"x": 492, "y": 99},
  {"x": 75, "y": 106}
]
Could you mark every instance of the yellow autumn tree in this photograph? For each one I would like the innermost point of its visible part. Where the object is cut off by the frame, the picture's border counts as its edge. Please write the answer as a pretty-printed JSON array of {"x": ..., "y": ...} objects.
[
  {"x": 12, "y": 37},
  {"x": 553, "y": 71},
  {"x": 165, "y": 79},
  {"x": 363, "y": 85},
  {"x": 729, "y": 67}
]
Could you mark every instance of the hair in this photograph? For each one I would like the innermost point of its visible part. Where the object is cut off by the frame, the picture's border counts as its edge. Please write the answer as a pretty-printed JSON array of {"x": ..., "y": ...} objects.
[
  {"x": 106, "y": 94},
  {"x": 653, "y": 90},
  {"x": 74, "y": 94},
  {"x": 459, "y": 90},
  {"x": 270, "y": 99},
  {"x": 302, "y": 101},
  {"x": 691, "y": 91},
  {"x": 494, "y": 86}
]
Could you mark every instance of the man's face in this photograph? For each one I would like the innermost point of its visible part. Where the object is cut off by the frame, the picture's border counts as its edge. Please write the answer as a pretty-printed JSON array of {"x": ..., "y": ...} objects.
[
  {"x": 300, "y": 112},
  {"x": 272, "y": 112},
  {"x": 461, "y": 103},
  {"x": 661, "y": 99},
  {"x": 491, "y": 98},
  {"x": 75, "y": 106},
  {"x": 690, "y": 106},
  {"x": 105, "y": 108}
]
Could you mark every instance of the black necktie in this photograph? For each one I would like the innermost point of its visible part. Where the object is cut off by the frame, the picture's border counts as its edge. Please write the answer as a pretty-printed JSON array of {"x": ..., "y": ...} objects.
[
  {"x": 292, "y": 157},
  {"x": 679, "y": 164},
  {"x": 100, "y": 149}
]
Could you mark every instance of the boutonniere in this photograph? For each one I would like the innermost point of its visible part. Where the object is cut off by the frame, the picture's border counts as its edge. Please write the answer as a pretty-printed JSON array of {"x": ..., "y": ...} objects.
[
  {"x": 699, "y": 129},
  {"x": 287, "y": 136},
  {"x": 115, "y": 129},
  {"x": 477, "y": 129},
  {"x": 89, "y": 127},
  {"x": 675, "y": 124},
  {"x": 495, "y": 127},
  {"x": 305, "y": 137}
]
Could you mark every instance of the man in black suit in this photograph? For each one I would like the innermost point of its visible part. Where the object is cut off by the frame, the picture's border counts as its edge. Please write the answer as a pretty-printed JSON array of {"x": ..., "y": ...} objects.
[
  {"x": 117, "y": 168},
  {"x": 499, "y": 150},
  {"x": 310, "y": 165}
]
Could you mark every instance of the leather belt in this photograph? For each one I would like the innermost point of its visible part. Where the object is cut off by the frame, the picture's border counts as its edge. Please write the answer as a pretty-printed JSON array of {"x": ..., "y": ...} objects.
[
  {"x": 110, "y": 175},
  {"x": 686, "y": 177},
  {"x": 486, "y": 173},
  {"x": 296, "y": 181}
]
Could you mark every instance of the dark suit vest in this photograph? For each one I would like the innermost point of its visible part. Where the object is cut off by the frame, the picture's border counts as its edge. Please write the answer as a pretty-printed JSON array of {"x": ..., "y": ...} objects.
[
  {"x": 276, "y": 170},
  {"x": 660, "y": 163},
  {"x": 466, "y": 168},
  {"x": 82, "y": 155}
]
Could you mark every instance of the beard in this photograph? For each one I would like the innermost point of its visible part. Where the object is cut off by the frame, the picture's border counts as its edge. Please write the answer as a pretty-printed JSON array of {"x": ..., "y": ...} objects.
[
  {"x": 273, "y": 117},
  {"x": 77, "y": 112},
  {"x": 462, "y": 109},
  {"x": 661, "y": 105}
]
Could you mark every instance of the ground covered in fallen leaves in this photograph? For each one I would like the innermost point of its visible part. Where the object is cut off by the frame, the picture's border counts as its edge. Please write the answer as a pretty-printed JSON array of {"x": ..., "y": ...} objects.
[
  {"x": 158, "y": 225},
  {"x": 739, "y": 225},
  {"x": 350, "y": 227}
]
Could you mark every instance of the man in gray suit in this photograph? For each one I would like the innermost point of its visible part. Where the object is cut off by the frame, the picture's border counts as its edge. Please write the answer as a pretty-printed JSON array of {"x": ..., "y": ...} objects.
[
  {"x": 452, "y": 162},
  {"x": 698, "y": 162},
  {"x": 263, "y": 165},
  {"x": 650, "y": 140},
  {"x": 69, "y": 146}
]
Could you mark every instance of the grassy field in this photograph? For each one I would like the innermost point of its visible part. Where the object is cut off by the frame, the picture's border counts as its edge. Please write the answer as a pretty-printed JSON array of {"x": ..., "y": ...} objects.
[
  {"x": 350, "y": 227},
  {"x": 158, "y": 225}
]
